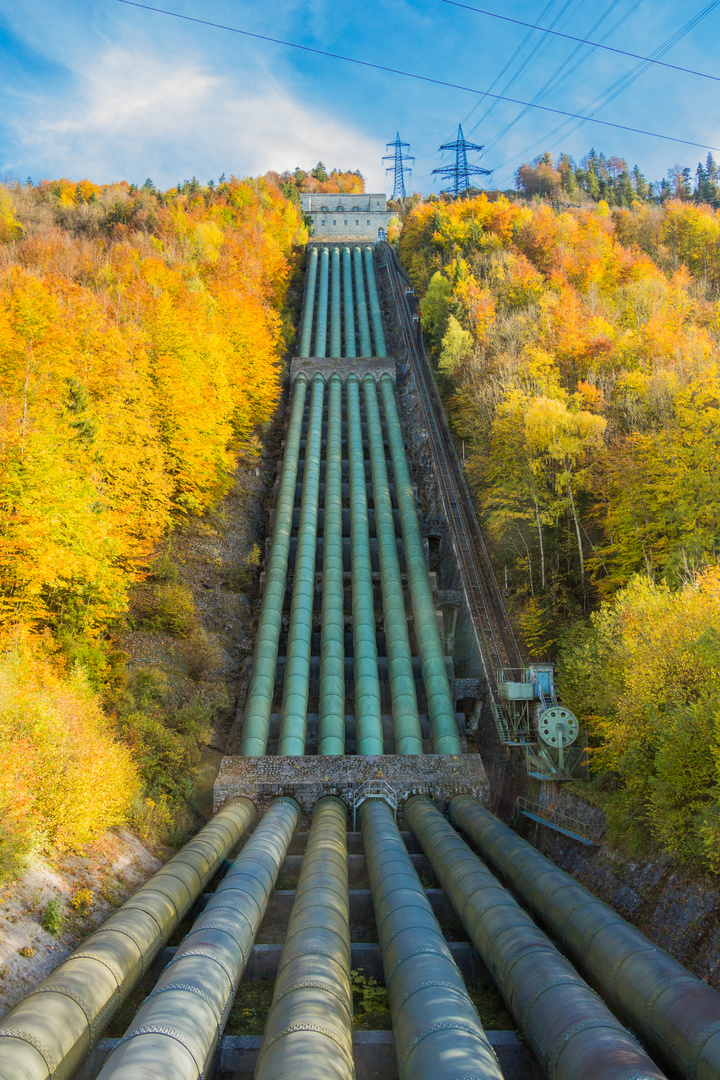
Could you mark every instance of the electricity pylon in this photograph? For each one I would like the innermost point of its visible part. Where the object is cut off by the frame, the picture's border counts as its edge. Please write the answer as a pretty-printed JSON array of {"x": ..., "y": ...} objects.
[
  {"x": 461, "y": 171},
  {"x": 399, "y": 168}
]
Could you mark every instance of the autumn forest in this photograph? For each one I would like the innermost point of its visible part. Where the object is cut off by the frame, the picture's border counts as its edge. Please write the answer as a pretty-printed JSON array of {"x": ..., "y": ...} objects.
[{"x": 575, "y": 340}]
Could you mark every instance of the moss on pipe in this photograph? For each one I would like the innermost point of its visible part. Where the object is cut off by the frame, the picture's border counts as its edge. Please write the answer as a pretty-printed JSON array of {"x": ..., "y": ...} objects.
[
  {"x": 406, "y": 722},
  {"x": 256, "y": 719},
  {"x": 437, "y": 1032},
  {"x": 331, "y": 710},
  {"x": 293, "y": 720},
  {"x": 368, "y": 717},
  {"x": 362, "y": 313},
  {"x": 375, "y": 313},
  {"x": 569, "y": 1029},
  {"x": 677, "y": 1014},
  {"x": 309, "y": 308},
  {"x": 437, "y": 686},
  {"x": 335, "y": 328},
  {"x": 179, "y": 1025},
  {"x": 308, "y": 1035},
  {"x": 349, "y": 312},
  {"x": 48, "y": 1033}
]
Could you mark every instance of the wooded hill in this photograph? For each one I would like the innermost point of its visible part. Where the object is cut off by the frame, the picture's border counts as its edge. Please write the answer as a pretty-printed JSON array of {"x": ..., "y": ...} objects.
[
  {"x": 577, "y": 351},
  {"x": 140, "y": 343}
]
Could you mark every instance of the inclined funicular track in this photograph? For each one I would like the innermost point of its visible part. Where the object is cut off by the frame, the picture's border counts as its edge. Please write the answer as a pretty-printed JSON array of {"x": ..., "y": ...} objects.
[{"x": 496, "y": 640}]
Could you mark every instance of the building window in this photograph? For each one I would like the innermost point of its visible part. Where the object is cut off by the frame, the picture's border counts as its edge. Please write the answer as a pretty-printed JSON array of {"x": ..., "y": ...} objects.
[
  {"x": 323, "y": 221},
  {"x": 345, "y": 222},
  {"x": 334, "y": 222},
  {"x": 357, "y": 222},
  {"x": 368, "y": 221}
]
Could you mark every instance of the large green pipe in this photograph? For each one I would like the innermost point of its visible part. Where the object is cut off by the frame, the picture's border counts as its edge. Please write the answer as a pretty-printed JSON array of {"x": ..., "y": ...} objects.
[
  {"x": 49, "y": 1032},
  {"x": 437, "y": 686},
  {"x": 375, "y": 313},
  {"x": 437, "y": 1032},
  {"x": 335, "y": 326},
  {"x": 322, "y": 311},
  {"x": 406, "y": 722},
  {"x": 677, "y": 1014},
  {"x": 362, "y": 314},
  {"x": 309, "y": 1030},
  {"x": 296, "y": 688},
  {"x": 256, "y": 722},
  {"x": 331, "y": 711},
  {"x": 309, "y": 309},
  {"x": 569, "y": 1029},
  {"x": 350, "y": 349},
  {"x": 368, "y": 714},
  {"x": 178, "y": 1027}
]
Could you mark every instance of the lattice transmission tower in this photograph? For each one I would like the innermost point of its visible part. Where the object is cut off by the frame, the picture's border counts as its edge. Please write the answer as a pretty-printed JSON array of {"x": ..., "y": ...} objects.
[
  {"x": 399, "y": 168},
  {"x": 460, "y": 172}
]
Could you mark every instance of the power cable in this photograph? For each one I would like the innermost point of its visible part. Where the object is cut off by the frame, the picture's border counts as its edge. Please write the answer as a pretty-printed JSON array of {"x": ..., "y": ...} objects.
[
  {"x": 419, "y": 78},
  {"x": 621, "y": 84},
  {"x": 557, "y": 77},
  {"x": 583, "y": 41},
  {"x": 524, "y": 67}
]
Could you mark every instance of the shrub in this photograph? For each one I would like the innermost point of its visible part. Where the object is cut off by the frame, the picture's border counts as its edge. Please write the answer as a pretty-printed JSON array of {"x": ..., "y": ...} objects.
[
  {"x": 201, "y": 653},
  {"x": 175, "y": 611},
  {"x": 54, "y": 917},
  {"x": 163, "y": 568}
]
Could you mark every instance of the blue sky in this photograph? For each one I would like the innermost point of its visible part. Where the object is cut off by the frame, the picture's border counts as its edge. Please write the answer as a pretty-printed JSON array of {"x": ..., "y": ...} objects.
[{"x": 99, "y": 89}]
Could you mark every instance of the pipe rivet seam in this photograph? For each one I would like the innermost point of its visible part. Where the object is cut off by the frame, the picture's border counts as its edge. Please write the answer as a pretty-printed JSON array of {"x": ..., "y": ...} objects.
[
  {"x": 171, "y": 1033},
  {"x": 699, "y": 1044},
  {"x": 232, "y": 907},
  {"x": 292, "y": 1028},
  {"x": 446, "y": 1025},
  {"x": 240, "y": 942},
  {"x": 101, "y": 959},
  {"x": 68, "y": 993},
  {"x": 25, "y": 1036},
  {"x": 426, "y": 986},
  {"x": 215, "y": 960},
  {"x": 660, "y": 988},
  {"x": 560, "y": 980},
  {"x": 310, "y": 984},
  {"x": 136, "y": 942},
  {"x": 571, "y": 1033},
  {"x": 190, "y": 990}
]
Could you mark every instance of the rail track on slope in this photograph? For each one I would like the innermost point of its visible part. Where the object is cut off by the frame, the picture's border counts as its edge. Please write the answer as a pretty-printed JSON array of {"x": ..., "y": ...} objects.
[{"x": 495, "y": 639}]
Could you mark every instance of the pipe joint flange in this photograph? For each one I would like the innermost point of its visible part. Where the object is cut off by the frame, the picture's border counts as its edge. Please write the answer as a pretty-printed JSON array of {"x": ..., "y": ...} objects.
[
  {"x": 446, "y": 1025},
  {"x": 171, "y": 1033},
  {"x": 567, "y": 1037},
  {"x": 310, "y": 984},
  {"x": 190, "y": 989},
  {"x": 615, "y": 970},
  {"x": 37, "y": 1044}
]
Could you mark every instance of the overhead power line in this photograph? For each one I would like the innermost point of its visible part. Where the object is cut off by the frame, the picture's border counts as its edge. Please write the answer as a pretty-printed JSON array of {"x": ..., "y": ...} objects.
[
  {"x": 414, "y": 75},
  {"x": 583, "y": 41}
]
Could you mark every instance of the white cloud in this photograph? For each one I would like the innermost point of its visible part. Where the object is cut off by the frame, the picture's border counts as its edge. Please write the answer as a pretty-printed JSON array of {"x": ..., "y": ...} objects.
[{"x": 135, "y": 114}]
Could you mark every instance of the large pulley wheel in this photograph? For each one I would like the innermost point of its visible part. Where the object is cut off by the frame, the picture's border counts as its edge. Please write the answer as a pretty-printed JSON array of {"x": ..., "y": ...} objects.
[{"x": 557, "y": 726}]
